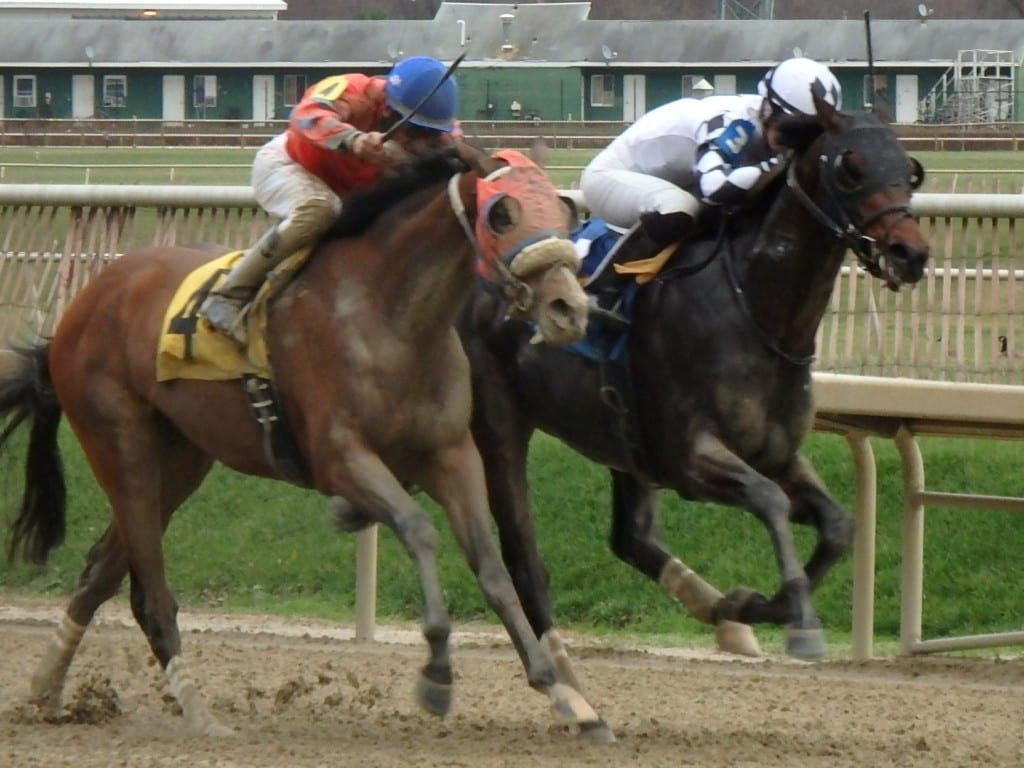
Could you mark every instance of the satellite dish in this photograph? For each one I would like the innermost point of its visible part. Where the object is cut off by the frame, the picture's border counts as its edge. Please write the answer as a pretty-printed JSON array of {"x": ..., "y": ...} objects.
[
  {"x": 922, "y": 10},
  {"x": 608, "y": 53},
  {"x": 798, "y": 52},
  {"x": 394, "y": 51},
  {"x": 90, "y": 53}
]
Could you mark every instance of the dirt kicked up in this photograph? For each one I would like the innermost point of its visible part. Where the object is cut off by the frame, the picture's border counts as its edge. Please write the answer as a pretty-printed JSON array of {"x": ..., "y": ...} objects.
[{"x": 301, "y": 694}]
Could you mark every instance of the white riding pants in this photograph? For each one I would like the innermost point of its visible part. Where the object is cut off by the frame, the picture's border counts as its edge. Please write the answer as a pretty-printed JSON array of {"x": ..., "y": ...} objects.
[
  {"x": 619, "y": 195},
  {"x": 305, "y": 205}
]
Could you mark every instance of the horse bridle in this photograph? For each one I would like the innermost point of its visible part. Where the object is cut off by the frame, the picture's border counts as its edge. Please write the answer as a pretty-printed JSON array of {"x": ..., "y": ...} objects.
[
  {"x": 514, "y": 290},
  {"x": 842, "y": 193}
]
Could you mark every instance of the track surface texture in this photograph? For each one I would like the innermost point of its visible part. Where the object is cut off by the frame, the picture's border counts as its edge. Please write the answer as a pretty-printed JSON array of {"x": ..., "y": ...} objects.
[{"x": 306, "y": 694}]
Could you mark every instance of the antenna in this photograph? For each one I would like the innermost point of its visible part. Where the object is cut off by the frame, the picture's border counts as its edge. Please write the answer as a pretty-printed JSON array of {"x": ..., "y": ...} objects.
[{"x": 869, "y": 98}]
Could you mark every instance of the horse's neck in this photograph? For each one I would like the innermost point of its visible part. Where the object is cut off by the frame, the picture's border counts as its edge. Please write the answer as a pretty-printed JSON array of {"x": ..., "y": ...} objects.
[
  {"x": 429, "y": 268},
  {"x": 414, "y": 267},
  {"x": 789, "y": 277}
]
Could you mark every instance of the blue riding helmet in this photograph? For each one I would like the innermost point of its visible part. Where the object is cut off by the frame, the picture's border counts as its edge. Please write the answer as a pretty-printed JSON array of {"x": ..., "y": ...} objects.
[{"x": 411, "y": 80}]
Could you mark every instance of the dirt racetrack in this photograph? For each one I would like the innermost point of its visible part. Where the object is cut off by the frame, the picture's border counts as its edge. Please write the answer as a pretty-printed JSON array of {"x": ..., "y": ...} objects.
[{"x": 304, "y": 695}]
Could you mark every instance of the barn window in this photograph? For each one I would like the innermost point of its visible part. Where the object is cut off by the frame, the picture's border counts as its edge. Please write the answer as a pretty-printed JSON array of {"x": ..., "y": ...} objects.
[
  {"x": 696, "y": 87},
  {"x": 602, "y": 90},
  {"x": 204, "y": 91},
  {"x": 115, "y": 91},
  {"x": 24, "y": 90},
  {"x": 294, "y": 87},
  {"x": 725, "y": 84}
]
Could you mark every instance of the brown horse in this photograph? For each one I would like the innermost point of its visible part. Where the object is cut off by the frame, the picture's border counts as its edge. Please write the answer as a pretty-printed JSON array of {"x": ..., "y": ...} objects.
[
  {"x": 712, "y": 398},
  {"x": 371, "y": 377}
]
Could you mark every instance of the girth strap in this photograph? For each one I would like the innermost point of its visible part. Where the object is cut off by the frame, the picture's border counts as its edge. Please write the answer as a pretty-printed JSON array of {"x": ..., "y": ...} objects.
[{"x": 278, "y": 442}]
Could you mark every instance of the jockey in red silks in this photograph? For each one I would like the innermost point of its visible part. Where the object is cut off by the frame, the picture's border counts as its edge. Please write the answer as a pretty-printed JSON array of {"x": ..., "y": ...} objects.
[{"x": 335, "y": 144}]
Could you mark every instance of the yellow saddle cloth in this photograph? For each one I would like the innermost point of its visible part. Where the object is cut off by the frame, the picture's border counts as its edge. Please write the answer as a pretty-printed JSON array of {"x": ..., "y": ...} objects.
[{"x": 189, "y": 348}]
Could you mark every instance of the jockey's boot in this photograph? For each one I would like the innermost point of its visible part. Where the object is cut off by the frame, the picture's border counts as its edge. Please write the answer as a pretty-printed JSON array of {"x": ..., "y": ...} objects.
[
  {"x": 645, "y": 240},
  {"x": 225, "y": 307}
]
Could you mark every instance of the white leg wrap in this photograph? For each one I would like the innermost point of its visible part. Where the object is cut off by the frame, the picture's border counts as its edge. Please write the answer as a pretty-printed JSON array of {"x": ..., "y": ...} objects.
[
  {"x": 689, "y": 589},
  {"x": 552, "y": 641},
  {"x": 48, "y": 680},
  {"x": 198, "y": 717}
]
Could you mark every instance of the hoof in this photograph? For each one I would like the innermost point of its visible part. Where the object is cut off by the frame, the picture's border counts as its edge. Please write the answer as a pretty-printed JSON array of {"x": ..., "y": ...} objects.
[
  {"x": 435, "y": 698},
  {"x": 737, "y": 638},
  {"x": 48, "y": 707},
  {"x": 805, "y": 644},
  {"x": 218, "y": 731},
  {"x": 597, "y": 732}
]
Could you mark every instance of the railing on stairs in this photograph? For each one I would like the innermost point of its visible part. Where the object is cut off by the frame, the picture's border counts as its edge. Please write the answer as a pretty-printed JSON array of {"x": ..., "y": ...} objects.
[{"x": 978, "y": 88}]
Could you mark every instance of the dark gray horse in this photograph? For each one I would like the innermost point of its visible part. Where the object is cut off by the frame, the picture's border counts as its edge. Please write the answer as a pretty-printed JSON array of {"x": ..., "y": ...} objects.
[{"x": 720, "y": 363}]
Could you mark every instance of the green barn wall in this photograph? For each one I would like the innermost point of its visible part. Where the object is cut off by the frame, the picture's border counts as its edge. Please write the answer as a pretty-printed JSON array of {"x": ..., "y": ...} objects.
[
  {"x": 551, "y": 93},
  {"x": 547, "y": 93}
]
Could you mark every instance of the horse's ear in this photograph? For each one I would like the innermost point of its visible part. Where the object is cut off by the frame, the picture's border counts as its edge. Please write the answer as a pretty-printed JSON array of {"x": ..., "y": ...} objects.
[
  {"x": 475, "y": 157},
  {"x": 831, "y": 118},
  {"x": 572, "y": 213},
  {"x": 916, "y": 171}
]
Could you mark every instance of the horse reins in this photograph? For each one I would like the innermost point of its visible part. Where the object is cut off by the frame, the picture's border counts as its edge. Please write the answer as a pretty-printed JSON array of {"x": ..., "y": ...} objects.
[{"x": 801, "y": 361}]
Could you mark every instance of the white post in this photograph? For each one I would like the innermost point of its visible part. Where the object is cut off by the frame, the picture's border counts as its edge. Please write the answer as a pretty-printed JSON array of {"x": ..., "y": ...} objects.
[{"x": 366, "y": 583}]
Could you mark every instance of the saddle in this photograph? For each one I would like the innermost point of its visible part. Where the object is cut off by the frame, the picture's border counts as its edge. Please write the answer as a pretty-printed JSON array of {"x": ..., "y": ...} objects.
[{"x": 191, "y": 349}]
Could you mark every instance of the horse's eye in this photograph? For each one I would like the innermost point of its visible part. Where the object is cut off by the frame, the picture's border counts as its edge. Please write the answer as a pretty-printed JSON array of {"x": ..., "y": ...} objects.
[
  {"x": 847, "y": 172},
  {"x": 916, "y": 172},
  {"x": 503, "y": 214}
]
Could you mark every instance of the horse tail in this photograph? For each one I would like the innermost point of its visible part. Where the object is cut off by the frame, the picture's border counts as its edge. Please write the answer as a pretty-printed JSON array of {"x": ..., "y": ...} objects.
[{"x": 26, "y": 393}]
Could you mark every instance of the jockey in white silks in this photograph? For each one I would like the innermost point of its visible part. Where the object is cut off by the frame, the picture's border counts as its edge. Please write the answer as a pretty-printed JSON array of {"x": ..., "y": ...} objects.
[{"x": 658, "y": 173}]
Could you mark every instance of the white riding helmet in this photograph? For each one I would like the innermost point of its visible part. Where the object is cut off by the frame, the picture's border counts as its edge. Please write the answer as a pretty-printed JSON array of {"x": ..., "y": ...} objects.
[{"x": 787, "y": 87}]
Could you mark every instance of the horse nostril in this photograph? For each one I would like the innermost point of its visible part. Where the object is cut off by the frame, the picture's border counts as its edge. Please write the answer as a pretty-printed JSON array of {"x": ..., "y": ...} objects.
[{"x": 910, "y": 259}]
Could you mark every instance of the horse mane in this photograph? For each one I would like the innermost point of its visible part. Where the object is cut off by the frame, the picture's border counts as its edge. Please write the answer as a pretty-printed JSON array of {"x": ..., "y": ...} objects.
[
  {"x": 363, "y": 208},
  {"x": 798, "y": 132}
]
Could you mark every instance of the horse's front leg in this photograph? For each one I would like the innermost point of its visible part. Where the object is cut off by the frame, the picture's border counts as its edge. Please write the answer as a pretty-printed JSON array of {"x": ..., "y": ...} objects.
[
  {"x": 363, "y": 485},
  {"x": 717, "y": 474},
  {"x": 635, "y": 540},
  {"x": 812, "y": 505},
  {"x": 455, "y": 479}
]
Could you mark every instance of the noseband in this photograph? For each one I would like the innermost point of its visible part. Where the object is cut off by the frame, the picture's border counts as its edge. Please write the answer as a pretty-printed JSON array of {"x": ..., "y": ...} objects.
[{"x": 839, "y": 213}]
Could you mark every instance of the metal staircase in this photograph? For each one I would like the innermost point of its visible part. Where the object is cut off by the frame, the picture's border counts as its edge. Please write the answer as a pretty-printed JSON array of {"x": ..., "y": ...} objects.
[
  {"x": 744, "y": 10},
  {"x": 979, "y": 88}
]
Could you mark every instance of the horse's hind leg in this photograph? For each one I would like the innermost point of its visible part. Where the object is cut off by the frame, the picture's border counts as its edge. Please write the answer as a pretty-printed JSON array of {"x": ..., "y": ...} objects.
[
  {"x": 456, "y": 481},
  {"x": 104, "y": 571},
  {"x": 635, "y": 540},
  {"x": 147, "y": 470}
]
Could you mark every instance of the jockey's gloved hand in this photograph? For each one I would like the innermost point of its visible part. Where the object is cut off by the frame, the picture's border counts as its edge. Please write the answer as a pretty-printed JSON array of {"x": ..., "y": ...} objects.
[
  {"x": 366, "y": 145},
  {"x": 769, "y": 170}
]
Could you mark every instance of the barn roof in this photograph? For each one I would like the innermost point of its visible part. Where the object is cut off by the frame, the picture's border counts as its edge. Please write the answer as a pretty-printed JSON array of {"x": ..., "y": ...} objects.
[{"x": 528, "y": 35}]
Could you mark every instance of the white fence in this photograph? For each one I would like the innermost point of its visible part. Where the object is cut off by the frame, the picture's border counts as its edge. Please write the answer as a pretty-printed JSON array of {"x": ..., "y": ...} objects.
[{"x": 938, "y": 360}]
